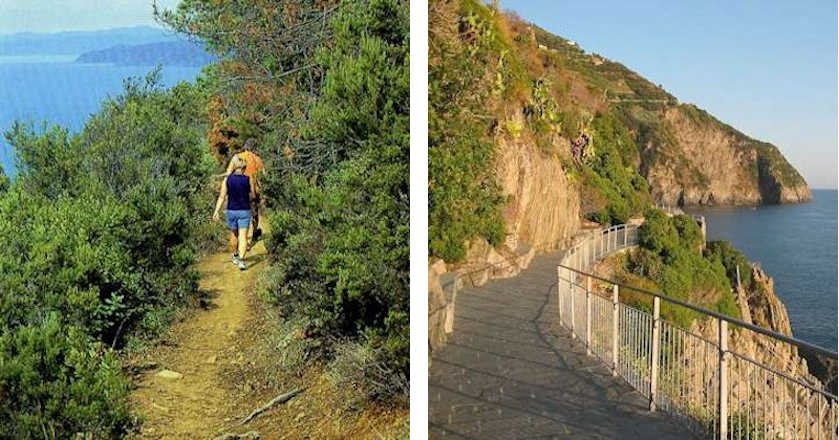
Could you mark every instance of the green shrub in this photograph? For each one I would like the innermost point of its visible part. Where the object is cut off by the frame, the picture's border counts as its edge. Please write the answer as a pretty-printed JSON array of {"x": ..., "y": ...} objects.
[
  {"x": 610, "y": 171},
  {"x": 55, "y": 382},
  {"x": 362, "y": 374},
  {"x": 340, "y": 236},
  {"x": 100, "y": 229},
  {"x": 670, "y": 256},
  {"x": 464, "y": 198},
  {"x": 295, "y": 350},
  {"x": 731, "y": 258}
]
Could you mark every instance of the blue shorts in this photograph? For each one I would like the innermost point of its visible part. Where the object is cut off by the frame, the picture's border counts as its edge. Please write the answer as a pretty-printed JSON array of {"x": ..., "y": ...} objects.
[{"x": 238, "y": 219}]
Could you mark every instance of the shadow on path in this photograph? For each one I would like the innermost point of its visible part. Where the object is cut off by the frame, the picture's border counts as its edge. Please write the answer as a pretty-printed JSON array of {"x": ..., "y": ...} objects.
[{"x": 509, "y": 371}]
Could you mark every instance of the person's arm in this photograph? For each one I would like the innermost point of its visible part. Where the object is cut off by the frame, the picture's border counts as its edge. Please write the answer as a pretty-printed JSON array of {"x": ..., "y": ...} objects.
[
  {"x": 255, "y": 186},
  {"x": 229, "y": 167},
  {"x": 221, "y": 196},
  {"x": 252, "y": 189}
]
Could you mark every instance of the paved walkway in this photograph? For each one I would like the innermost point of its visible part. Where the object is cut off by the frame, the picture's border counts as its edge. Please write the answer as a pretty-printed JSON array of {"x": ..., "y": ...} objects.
[{"x": 509, "y": 371}]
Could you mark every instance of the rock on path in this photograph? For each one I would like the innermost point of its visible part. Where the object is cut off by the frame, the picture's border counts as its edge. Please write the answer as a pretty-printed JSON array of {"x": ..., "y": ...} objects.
[{"x": 190, "y": 398}]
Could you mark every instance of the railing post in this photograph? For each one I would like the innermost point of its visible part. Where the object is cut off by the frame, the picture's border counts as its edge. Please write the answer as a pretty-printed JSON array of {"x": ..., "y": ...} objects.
[
  {"x": 448, "y": 324},
  {"x": 571, "y": 301},
  {"x": 604, "y": 243},
  {"x": 654, "y": 352},
  {"x": 625, "y": 235},
  {"x": 586, "y": 253},
  {"x": 615, "y": 330},
  {"x": 723, "y": 372},
  {"x": 588, "y": 315},
  {"x": 559, "y": 291}
]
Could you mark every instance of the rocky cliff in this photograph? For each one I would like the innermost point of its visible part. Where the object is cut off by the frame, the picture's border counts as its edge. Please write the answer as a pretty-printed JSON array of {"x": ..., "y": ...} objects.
[
  {"x": 696, "y": 160},
  {"x": 759, "y": 398},
  {"x": 541, "y": 212},
  {"x": 529, "y": 134},
  {"x": 542, "y": 205},
  {"x": 769, "y": 401},
  {"x": 687, "y": 156}
]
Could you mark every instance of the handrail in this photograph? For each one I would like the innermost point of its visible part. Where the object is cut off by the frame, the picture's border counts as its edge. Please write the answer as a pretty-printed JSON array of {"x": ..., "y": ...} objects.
[
  {"x": 738, "y": 322},
  {"x": 683, "y": 373}
]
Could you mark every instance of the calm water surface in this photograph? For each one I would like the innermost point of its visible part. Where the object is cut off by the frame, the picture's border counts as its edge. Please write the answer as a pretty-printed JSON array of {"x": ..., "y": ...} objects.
[
  {"x": 796, "y": 245},
  {"x": 54, "y": 89}
]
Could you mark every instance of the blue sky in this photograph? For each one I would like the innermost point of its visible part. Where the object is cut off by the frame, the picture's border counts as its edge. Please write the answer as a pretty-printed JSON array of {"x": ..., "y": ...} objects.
[
  {"x": 768, "y": 68},
  {"x": 65, "y": 15}
]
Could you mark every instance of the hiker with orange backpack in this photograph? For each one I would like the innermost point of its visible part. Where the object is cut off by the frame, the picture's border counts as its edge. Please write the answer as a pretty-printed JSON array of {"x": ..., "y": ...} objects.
[{"x": 253, "y": 169}]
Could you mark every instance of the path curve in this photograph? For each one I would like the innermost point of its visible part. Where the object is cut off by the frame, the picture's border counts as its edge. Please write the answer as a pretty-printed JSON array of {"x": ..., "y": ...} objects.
[
  {"x": 198, "y": 405},
  {"x": 509, "y": 370}
]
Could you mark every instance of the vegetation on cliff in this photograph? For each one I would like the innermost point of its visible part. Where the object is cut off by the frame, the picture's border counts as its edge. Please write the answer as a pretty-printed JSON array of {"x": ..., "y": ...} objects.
[
  {"x": 100, "y": 230},
  {"x": 670, "y": 259},
  {"x": 324, "y": 88},
  {"x": 463, "y": 196},
  {"x": 484, "y": 69},
  {"x": 102, "y": 227}
]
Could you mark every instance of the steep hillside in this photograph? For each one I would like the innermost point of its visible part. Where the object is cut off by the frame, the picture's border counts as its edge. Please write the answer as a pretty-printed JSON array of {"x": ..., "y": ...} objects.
[
  {"x": 513, "y": 106},
  {"x": 687, "y": 156}
]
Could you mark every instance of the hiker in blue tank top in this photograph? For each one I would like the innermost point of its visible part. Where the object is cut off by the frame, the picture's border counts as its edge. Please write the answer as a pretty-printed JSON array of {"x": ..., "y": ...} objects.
[{"x": 239, "y": 192}]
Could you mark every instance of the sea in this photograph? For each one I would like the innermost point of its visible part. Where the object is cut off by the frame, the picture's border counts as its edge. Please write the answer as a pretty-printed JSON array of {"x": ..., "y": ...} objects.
[
  {"x": 796, "y": 245},
  {"x": 56, "y": 90}
]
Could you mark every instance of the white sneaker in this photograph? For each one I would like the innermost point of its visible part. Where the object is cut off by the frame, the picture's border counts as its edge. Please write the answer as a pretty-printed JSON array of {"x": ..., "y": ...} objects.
[
  {"x": 242, "y": 265},
  {"x": 236, "y": 259}
]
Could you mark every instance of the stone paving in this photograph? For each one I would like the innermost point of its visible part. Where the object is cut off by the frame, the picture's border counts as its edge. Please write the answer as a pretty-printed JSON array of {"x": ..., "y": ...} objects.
[{"x": 509, "y": 371}]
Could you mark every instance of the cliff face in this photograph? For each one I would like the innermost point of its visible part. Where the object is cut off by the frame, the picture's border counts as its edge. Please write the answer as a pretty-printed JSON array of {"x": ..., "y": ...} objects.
[
  {"x": 762, "y": 307},
  {"x": 541, "y": 212},
  {"x": 543, "y": 206},
  {"x": 700, "y": 161}
]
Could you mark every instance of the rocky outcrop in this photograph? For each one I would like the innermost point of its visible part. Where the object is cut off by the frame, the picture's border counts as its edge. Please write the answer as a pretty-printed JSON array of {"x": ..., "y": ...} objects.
[
  {"x": 769, "y": 400},
  {"x": 437, "y": 304},
  {"x": 696, "y": 160},
  {"x": 543, "y": 206},
  {"x": 541, "y": 213},
  {"x": 759, "y": 398},
  {"x": 759, "y": 305}
]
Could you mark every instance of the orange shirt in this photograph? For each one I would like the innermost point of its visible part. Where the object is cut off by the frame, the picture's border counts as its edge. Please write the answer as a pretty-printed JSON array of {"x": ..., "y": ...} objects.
[{"x": 254, "y": 163}]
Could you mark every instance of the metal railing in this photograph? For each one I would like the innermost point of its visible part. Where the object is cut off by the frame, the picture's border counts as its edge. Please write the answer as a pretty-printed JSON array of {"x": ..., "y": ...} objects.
[
  {"x": 693, "y": 374},
  {"x": 669, "y": 209}
]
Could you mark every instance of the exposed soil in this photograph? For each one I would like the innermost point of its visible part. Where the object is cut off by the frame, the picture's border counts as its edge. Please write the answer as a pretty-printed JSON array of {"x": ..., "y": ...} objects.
[
  {"x": 198, "y": 405},
  {"x": 229, "y": 368}
]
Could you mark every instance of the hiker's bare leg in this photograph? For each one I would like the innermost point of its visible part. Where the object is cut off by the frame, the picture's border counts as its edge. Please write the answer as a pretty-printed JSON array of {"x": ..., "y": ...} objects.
[
  {"x": 254, "y": 223},
  {"x": 255, "y": 219},
  {"x": 233, "y": 241},
  {"x": 243, "y": 242}
]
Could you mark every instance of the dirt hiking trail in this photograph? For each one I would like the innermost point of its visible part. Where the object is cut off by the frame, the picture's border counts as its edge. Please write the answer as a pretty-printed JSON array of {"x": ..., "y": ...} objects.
[
  {"x": 195, "y": 402},
  {"x": 219, "y": 363}
]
